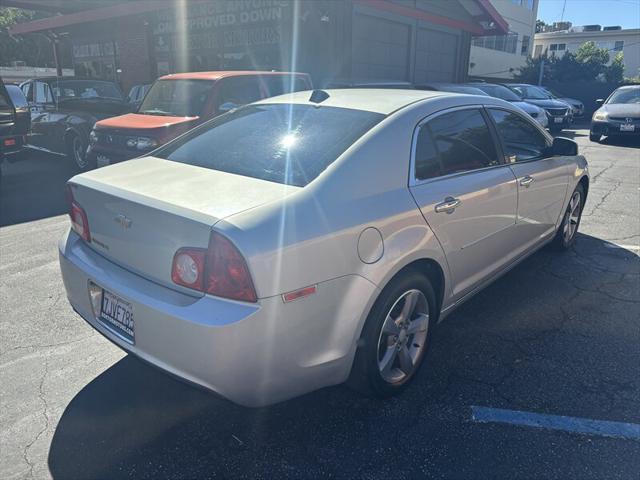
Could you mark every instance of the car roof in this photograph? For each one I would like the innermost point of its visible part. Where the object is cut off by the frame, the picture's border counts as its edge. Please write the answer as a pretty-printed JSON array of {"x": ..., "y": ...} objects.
[
  {"x": 384, "y": 101},
  {"x": 628, "y": 87},
  {"x": 217, "y": 75}
]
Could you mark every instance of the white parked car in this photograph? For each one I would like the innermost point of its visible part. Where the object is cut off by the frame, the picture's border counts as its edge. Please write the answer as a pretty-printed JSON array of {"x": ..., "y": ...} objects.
[{"x": 314, "y": 238}]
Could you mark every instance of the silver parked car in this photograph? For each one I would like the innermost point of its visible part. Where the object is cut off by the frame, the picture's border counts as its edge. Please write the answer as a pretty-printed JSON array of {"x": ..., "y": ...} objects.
[{"x": 314, "y": 238}]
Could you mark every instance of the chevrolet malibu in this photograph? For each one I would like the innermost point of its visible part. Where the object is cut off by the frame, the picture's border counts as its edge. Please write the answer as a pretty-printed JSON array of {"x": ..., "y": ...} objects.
[{"x": 315, "y": 238}]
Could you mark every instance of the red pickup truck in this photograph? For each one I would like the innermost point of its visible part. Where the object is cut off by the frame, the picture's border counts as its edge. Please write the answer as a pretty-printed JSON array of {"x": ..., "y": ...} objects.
[{"x": 178, "y": 102}]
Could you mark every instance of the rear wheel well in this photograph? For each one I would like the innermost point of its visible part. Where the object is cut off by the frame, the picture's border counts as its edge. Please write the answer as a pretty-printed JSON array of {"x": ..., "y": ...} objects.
[{"x": 433, "y": 271}]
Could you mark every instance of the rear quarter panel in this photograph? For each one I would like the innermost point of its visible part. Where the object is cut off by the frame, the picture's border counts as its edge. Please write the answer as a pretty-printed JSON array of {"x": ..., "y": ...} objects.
[{"x": 312, "y": 235}]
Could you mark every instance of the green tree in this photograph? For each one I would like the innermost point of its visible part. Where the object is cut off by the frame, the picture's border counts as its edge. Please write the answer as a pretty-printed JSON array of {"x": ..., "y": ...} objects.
[
  {"x": 614, "y": 73},
  {"x": 540, "y": 24},
  {"x": 593, "y": 60},
  {"x": 34, "y": 49}
]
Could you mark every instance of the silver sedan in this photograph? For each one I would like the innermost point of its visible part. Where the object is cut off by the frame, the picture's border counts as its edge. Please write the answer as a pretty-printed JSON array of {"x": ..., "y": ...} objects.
[{"x": 315, "y": 238}]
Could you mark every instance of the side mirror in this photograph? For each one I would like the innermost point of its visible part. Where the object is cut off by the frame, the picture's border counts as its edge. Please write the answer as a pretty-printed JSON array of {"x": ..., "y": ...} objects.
[
  {"x": 600, "y": 101},
  {"x": 227, "y": 107},
  {"x": 564, "y": 147}
]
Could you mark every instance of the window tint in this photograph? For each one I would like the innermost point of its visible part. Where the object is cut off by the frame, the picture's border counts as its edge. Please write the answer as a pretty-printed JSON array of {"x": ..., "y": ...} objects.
[
  {"x": 521, "y": 140},
  {"x": 463, "y": 142},
  {"x": 290, "y": 144},
  {"x": 427, "y": 159},
  {"x": 238, "y": 91}
]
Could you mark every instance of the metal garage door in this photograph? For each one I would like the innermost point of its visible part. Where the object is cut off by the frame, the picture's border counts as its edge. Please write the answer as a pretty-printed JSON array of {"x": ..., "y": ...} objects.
[
  {"x": 380, "y": 48},
  {"x": 436, "y": 54}
]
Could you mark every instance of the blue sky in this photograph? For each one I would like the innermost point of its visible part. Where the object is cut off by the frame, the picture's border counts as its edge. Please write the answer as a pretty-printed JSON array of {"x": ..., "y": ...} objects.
[{"x": 625, "y": 13}]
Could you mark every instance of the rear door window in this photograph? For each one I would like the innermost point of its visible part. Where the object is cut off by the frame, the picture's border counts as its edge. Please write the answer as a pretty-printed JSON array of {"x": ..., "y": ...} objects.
[
  {"x": 462, "y": 140},
  {"x": 290, "y": 144},
  {"x": 521, "y": 141}
]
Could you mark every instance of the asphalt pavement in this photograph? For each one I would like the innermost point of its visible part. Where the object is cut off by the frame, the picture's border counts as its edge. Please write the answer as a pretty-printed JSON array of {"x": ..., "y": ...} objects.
[{"x": 558, "y": 335}]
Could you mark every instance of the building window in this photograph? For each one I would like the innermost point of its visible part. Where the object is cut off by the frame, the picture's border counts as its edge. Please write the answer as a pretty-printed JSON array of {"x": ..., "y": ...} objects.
[
  {"x": 619, "y": 46},
  {"x": 537, "y": 51},
  {"x": 553, "y": 47},
  {"x": 504, "y": 43},
  {"x": 562, "y": 46},
  {"x": 524, "y": 49}
]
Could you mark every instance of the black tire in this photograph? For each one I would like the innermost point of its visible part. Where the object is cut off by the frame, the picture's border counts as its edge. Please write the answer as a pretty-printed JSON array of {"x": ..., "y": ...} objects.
[
  {"x": 366, "y": 376},
  {"x": 561, "y": 241},
  {"x": 77, "y": 152},
  {"x": 594, "y": 137}
]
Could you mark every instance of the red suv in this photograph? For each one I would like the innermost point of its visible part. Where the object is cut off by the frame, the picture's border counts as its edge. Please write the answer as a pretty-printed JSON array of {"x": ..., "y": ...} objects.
[{"x": 178, "y": 102}]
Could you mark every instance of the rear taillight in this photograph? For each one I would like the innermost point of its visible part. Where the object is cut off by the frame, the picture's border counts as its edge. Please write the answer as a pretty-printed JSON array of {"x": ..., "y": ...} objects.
[
  {"x": 79, "y": 220},
  {"x": 219, "y": 270}
]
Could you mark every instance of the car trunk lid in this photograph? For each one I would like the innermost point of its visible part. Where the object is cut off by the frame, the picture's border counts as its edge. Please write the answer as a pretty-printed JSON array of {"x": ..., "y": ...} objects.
[{"x": 142, "y": 211}]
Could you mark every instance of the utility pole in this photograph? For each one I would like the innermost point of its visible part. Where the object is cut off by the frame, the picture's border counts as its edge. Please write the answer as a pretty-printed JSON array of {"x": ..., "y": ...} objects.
[{"x": 541, "y": 74}]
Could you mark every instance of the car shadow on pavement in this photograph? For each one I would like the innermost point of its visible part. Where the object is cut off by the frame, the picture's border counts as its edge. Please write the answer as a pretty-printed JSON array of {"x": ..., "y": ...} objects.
[
  {"x": 533, "y": 340},
  {"x": 33, "y": 188}
]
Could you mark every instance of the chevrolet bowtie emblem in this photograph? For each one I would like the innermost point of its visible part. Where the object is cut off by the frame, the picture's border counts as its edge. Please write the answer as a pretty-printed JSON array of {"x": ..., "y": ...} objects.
[{"x": 123, "y": 220}]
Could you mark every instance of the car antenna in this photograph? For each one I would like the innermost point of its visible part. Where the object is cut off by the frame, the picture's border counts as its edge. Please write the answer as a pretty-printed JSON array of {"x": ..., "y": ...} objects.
[{"x": 318, "y": 96}]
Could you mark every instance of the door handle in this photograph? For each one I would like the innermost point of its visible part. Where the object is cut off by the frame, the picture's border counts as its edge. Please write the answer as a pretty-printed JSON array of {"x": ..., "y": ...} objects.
[
  {"x": 526, "y": 181},
  {"x": 448, "y": 206}
]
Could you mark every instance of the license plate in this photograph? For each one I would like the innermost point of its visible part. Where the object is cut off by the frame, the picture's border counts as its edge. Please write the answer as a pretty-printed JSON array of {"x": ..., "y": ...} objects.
[
  {"x": 558, "y": 120},
  {"x": 117, "y": 315},
  {"x": 627, "y": 127}
]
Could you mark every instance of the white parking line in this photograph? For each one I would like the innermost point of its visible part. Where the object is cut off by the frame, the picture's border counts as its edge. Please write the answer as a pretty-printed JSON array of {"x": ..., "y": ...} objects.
[
  {"x": 630, "y": 431},
  {"x": 625, "y": 247}
]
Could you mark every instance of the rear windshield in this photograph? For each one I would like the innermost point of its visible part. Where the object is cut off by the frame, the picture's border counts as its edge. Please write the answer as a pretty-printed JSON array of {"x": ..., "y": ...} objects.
[
  {"x": 178, "y": 98},
  {"x": 283, "y": 143}
]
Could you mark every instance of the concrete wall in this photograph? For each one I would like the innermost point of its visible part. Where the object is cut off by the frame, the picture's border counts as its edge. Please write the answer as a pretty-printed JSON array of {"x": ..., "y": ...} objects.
[{"x": 572, "y": 41}]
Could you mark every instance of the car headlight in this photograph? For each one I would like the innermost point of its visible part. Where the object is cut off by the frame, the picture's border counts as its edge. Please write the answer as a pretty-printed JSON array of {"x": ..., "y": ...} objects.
[
  {"x": 600, "y": 116},
  {"x": 93, "y": 137},
  {"x": 142, "y": 143}
]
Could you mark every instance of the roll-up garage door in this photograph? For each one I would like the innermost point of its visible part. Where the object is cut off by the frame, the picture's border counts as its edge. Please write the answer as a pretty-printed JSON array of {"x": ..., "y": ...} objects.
[
  {"x": 380, "y": 48},
  {"x": 436, "y": 56}
]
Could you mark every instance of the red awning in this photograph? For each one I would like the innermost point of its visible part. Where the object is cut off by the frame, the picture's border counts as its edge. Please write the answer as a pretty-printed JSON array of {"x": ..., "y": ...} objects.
[{"x": 487, "y": 22}]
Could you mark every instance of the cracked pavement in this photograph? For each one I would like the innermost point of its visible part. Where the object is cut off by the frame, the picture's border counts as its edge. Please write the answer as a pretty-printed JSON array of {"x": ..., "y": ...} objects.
[{"x": 559, "y": 334}]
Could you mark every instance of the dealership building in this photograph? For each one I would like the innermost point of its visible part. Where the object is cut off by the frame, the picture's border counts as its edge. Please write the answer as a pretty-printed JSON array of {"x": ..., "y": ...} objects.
[{"x": 135, "y": 41}]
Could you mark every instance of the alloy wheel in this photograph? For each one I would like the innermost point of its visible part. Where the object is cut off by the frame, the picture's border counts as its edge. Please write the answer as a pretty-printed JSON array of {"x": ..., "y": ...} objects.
[
  {"x": 403, "y": 336},
  {"x": 572, "y": 217}
]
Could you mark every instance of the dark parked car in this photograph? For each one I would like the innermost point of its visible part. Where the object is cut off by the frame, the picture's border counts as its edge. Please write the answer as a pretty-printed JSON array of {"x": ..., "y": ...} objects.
[
  {"x": 502, "y": 92},
  {"x": 559, "y": 113},
  {"x": 64, "y": 110},
  {"x": 15, "y": 122},
  {"x": 618, "y": 115}
]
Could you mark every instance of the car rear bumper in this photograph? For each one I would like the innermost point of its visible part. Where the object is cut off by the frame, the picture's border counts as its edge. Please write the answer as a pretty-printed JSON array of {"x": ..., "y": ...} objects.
[{"x": 252, "y": 354}]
